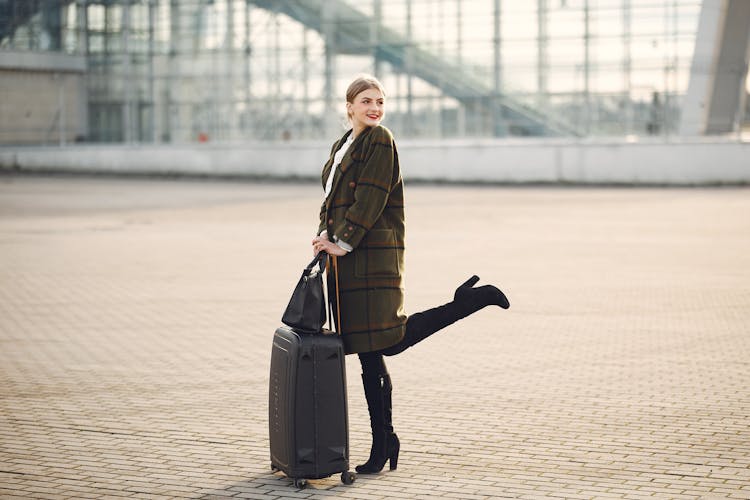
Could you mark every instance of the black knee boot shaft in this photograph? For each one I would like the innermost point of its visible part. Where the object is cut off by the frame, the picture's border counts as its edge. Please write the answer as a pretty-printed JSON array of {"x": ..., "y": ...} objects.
[{"x": 378, "y": 390}]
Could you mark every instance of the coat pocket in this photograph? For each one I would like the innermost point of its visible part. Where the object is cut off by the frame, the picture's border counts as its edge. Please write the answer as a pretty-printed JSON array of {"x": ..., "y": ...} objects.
[{"x": 377, "y": 256}]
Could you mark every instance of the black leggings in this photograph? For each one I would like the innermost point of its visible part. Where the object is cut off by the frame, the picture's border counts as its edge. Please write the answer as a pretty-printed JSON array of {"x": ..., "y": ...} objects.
[
  {"x": 417, "y": 328},
  {"x": 373, "y": 364}
]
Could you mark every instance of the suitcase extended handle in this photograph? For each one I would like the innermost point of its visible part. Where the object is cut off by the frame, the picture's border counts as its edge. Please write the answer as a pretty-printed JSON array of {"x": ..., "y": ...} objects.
[
  {"x": 338, "y": 303},
  {"x": 334, "y": 264},
  {"x": 322, "y": 261}
]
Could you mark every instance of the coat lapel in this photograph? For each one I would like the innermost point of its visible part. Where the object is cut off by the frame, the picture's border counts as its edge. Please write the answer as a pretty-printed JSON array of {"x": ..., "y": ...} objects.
[
  {"x": 329, "y": 163},
  {"x": 326, "y": 171},
  {"x": 346, "y": 162}
]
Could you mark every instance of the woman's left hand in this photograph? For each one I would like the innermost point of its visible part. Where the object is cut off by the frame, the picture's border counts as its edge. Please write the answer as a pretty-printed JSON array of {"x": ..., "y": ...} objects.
[{"x": 329, "y": 247}]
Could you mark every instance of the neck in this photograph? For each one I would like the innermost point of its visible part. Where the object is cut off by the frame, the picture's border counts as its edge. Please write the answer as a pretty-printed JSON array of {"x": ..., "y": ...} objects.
[{"x": 357, "y": 130}]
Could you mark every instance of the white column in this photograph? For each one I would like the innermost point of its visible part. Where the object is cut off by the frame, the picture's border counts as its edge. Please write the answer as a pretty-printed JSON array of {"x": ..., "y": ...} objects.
[{"x": 718, "y": 70}]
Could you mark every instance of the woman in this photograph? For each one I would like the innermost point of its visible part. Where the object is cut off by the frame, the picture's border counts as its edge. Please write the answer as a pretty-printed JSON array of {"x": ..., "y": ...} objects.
[{"x": 362, "y": 224}]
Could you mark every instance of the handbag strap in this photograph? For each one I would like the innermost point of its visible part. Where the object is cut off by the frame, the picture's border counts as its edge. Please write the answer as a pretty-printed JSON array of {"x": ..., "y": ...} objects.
[{"x": 320, "y": 259}]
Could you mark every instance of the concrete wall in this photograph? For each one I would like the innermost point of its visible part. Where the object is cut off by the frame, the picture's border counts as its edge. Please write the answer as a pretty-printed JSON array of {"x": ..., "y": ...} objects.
[
  {"x": 500, "y": 161},
  {"x": 42, "y": 98}
]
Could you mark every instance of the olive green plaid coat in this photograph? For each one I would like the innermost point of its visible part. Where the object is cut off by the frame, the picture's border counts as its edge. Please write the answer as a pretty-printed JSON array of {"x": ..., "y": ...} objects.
[{"x": 365, "y": 209}]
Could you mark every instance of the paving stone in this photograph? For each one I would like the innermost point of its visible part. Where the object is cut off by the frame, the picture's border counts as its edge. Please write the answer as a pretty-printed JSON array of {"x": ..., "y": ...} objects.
[{"x": 136, "y": 320}]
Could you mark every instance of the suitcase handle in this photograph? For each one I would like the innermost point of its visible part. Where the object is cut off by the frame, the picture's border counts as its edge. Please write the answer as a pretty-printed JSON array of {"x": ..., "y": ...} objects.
[
  {"x": 338, "y": 303},
  {"x": 334, "y": 264}
]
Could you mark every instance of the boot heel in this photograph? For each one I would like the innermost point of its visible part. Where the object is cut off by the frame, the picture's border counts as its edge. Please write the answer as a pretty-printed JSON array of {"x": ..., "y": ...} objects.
[{"x": 396, "y": 446}]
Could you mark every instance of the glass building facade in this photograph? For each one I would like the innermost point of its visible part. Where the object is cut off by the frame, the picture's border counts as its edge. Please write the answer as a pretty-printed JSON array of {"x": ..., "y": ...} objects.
[{"x": 238, "y": 70}]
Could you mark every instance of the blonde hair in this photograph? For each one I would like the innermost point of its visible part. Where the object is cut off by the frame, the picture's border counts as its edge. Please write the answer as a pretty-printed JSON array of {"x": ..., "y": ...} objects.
[{"x": 360, "y": 84}]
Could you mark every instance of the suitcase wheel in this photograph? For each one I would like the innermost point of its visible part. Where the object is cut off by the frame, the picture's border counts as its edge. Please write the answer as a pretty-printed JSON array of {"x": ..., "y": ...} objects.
[
  {"x": 348, "y": 477},
  {"x": 300, "y": 483}
]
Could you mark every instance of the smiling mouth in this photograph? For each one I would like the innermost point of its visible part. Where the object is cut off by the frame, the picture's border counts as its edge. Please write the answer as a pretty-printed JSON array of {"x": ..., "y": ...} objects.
[{"x": 373, "y": 117}]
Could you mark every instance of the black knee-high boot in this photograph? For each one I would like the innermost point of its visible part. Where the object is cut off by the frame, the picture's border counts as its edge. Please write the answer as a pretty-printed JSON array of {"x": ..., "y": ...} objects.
[
  {"x": 378, "y": 390},
  {"x": 467, "y": 300}
]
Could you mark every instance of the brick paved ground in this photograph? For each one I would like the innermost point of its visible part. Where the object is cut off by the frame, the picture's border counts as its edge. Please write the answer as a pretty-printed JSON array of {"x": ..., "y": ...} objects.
[{"x": 136, "y": 320}]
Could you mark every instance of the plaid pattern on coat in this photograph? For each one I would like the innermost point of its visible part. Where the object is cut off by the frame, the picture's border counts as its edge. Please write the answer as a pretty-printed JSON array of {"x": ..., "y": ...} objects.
[{"x": 366, "y": 210}]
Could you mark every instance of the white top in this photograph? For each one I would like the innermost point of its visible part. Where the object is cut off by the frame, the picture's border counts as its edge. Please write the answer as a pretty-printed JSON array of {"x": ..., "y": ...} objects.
[
  {"x": 337, "y": 157},
  {"x": 337, "y": 161}
]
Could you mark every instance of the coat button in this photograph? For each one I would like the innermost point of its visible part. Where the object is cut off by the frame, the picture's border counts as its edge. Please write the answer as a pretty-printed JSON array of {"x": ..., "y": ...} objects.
[
  {"x": 352, "y": 184},
  {"x": 351, "y": 228},
  {"x": 346, "y": 235},
  {"x": 330, "y": 221}
]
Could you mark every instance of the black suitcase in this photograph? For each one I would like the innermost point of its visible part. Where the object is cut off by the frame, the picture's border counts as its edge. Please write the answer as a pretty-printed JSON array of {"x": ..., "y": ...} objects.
[{"x": 307, "y": 407}]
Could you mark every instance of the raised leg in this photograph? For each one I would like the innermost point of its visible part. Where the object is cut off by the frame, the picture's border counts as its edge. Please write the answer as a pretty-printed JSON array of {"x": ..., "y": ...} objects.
[{"x": 467, "y": 300}]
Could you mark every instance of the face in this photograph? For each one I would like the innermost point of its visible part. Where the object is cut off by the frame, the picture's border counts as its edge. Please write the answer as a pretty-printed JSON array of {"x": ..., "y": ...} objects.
[{"x": 367, "y": 110}]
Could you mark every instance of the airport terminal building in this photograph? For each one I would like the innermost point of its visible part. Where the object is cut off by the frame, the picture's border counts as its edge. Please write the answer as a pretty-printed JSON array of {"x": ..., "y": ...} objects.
[{"x": 235, "y": 72}]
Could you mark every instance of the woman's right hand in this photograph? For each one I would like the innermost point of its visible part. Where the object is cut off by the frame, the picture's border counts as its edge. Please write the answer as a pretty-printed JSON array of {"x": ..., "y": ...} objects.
[
  {"x": 323, "y": 244},
  {"x": 322, "y": 235}
]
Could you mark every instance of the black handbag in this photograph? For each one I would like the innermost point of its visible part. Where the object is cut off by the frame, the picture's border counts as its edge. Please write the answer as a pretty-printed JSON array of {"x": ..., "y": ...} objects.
[{"x": 306, "y": 312}]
